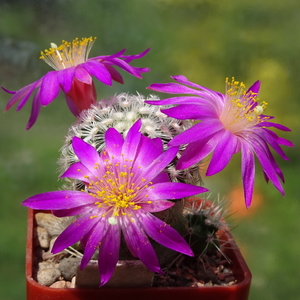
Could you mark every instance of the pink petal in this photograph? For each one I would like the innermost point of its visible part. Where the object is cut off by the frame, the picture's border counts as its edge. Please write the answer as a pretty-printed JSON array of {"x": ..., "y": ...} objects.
[
  {"x": 172, "y": 88},
  {"x": 129, "y": 58},
  {"x": 113, "y": 142},
  {"x": 273, "y": 162},
  {"x": 191, "y": 111},
  {"x": 180, "y": 100},
  {"x": 172, "y": 190},
  {"x": 115, "y": 75},
  {"x": 49, "y": 88},
  {"x": 162, "y": 177},
  {"x": 254, "y": 88},
  {"x": 183, "y": 80},
  {"x": 155, "y": 206},
  {"x": 156, "y": 167},
  {"x": 87, "y": 154},
  {"x": 78, "y": 171},
  {"x": 199, "y": 131},
  {"x": 204, "y": 92},
  {"x": 83, "y": 75},
  {"x": 8, "y": 91},
  {"x": 58, "y": 200},
  {"x": 73, "y": 233},
  {"x": 273, "y": 139},
  {"x": 109, "y": 253},
  {"x": 222, "y": 153},
  {"x": 78, "y": 210},
  {"x": 132, "y": 140},
  {"x": 139, "y": 245},
  {"x": 263, "y": 155},
  {"x": 93, "y": 240},
  {"x": 98, "y": 70},
  {"x": 271, "y": 124},
  {"x": 35, "y": 110},
  {"x": 196, "y": 151},
  {"x": 150, "y": 149},
  {"x": 25, "y": 99},
  {"x": 125, "y": 66},
  {"x": 104, "y": 57},
  {"x": 248, "y": 172},
  {"x": 65, "y": 78},
  {"x": 22, "y": 93},
  {"x": 164, "y": 234},
  {"x": 72, "y": 106}
]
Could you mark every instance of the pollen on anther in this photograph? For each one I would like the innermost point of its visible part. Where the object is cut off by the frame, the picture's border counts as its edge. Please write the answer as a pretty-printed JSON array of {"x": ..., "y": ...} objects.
[{"x": 93, "y": 217}]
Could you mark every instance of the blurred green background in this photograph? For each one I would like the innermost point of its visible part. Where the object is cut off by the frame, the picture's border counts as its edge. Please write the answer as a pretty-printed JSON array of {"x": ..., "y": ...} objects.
[{"x": 205, "y": 40}]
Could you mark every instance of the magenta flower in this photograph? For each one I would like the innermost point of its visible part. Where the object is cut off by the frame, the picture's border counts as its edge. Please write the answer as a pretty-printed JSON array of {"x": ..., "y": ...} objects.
[
  {"x": 230, "y": 123},
  {"x": 124, "y": 184},
  {"x": 73, "y": 75}
]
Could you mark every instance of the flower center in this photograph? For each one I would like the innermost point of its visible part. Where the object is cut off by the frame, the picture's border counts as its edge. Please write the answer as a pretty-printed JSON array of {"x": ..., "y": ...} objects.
[
  {"x": 241, "y": 108},
  {"x": 118, "y": 189},
  {"x": 68, "y": 54}
]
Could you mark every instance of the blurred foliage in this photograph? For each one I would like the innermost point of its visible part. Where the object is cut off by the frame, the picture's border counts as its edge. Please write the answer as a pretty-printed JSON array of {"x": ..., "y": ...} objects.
[{"x": 205, "y": 40}]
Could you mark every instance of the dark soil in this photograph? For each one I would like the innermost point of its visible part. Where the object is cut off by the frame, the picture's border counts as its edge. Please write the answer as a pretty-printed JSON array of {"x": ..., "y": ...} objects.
[{"x": 192, "y": 272}]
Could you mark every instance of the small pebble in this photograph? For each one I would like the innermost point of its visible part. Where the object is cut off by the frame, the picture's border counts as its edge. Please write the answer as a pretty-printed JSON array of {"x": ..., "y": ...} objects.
[
  {"x": 47, "y": 221},
  {"x": 52, "y": 224},
  {"x": 228, "y": 279},
  {"x": 48, "y": 276},
  {"x": 222, "y": 276},
  {"x": 68, "y": 267},
  {"x": 46, "y": 265},
  {"x": 59, "y": 284},
  {"x": 49, "y": 254},
  {"x": 73, "y": 281},
  {"x": 43, "y": 237}
]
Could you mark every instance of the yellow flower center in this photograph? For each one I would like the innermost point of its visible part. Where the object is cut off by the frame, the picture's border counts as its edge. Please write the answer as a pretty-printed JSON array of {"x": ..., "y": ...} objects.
[
  {"x": 117, "y": 189},
  {"x": 68, "y": 54},
  {"x": 241, "y": 110}
]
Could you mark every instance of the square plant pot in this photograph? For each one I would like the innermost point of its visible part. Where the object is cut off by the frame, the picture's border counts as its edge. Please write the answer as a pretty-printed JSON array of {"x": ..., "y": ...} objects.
[{"x": 238, "y": 291}]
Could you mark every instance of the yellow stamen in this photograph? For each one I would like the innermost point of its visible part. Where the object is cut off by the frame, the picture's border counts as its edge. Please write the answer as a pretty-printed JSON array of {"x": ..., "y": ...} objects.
[
  {"x": 242, "y": 109},
  {"x": 68, "y": 54}
]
